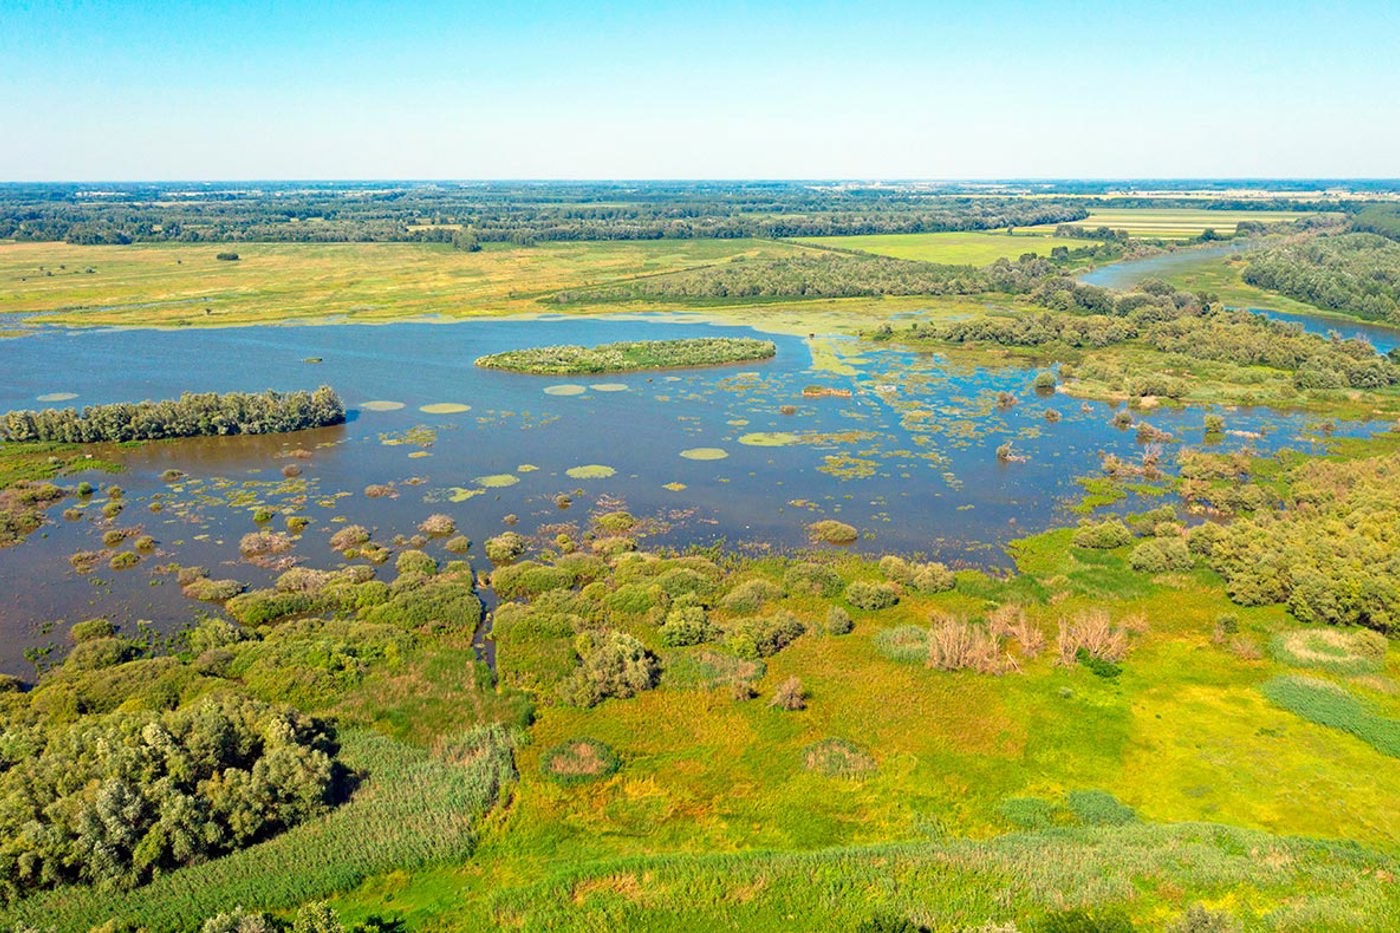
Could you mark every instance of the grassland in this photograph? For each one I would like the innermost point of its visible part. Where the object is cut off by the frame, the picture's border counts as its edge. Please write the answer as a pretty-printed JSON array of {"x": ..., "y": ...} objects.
[
  {"x": 182, "y": 285},
  {"x": 954, "y": 249},
  {"x": 1177, "y": 223}
]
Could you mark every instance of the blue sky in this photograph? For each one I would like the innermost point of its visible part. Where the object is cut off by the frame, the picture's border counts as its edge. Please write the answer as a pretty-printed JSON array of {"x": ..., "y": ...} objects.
[{"x": 256, "y": 89}]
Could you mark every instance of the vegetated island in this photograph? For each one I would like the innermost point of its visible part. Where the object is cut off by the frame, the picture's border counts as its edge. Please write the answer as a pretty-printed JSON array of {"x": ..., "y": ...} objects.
[
  {"x": 629, "y": 356},
  {"x": 193, "y": 414}
]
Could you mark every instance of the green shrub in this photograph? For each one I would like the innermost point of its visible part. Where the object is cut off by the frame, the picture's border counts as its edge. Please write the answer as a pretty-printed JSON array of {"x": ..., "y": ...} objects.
[
  {"x": 529, "y": 578},
  {"x": 1161, "y": 555},
  {"x": 897, "y": 569},
  {"x": 761, "y": 637},
  {"x": 414, "y": 561},
  {"x": 812, "y": 579},
  {"x": 1099, "y": 808},
  {"x": 838, "y": 621},
  {"x": 91, "y": 630},
  {"x": 124, "y": 561},
  {"x": 611, "y": 664},
  {"x": 686, "y": 625},
  {"x": 506, "y": 547},
  {"x": 750, "y": 595},
  {"x": 460, "y": 544},
  {"x": 1099, "y": 667},
  {"x": 579, "y": 761},
  {"x": 933, "y": 578},
  {"x": 1103, "y": 535},
  {"x": 871, "y": 596},
  {"x": 634, "y": 599}
]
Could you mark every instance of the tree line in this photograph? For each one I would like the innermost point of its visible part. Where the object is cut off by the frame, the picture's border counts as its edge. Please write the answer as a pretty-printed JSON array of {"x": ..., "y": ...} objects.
[{"x": 193, "y": 414}]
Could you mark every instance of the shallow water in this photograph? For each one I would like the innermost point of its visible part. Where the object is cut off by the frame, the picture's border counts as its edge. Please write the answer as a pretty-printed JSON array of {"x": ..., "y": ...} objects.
[{"x": 908, "y": 458}]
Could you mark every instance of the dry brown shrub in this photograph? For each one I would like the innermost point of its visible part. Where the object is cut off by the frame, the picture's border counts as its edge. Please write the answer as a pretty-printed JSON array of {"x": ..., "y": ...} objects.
[
  {"x": 956, "y": 645},
  {"x": 789, "y": 695},
  {"x": 1093, "y": 631},
  {"x": 1010, "y": 621}
]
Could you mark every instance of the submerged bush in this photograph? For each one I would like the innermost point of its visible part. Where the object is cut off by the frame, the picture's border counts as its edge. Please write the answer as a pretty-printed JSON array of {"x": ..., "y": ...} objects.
[
  {"x": 348, "y": 537},
  {"x": 506, "y": 547},
  {"x": 830, "y": 531}
]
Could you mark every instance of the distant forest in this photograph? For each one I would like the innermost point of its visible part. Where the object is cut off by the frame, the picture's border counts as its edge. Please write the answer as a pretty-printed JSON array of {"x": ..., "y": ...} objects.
[{"x": 468, "y": 214}]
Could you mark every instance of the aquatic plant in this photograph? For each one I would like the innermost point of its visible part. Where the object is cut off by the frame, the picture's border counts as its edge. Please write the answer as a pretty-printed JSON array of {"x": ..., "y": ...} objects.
[
  {"x": 348, "y": 537},
  {"x": 437, "y": 525},
  {"x": 630, "y": 356},
  {"x": 831, "y": 531}
]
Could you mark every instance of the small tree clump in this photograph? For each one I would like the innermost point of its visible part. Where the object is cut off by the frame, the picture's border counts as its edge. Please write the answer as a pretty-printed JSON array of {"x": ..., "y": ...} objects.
[
  {"x": 460, "y": 544},
  {"x": 838, "y": 621},
  {"x": 812, "y": 579},
  {"x": 871, "y": 596},
  {"x": 686, "y": 625},
  {"x": 506, "y": 547},
  {"x": 750, "y": 595},
  {"x": 1161, "y": 555},
  {"x": 1103, "y": 535}
]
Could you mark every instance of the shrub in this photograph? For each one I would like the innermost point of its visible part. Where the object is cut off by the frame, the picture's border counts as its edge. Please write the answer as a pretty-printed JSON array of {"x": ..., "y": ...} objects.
[
  {"x": 348, "y": 537},
  {"x": 91, "y": 629},
  {"x": 1010, "y": 621},
  {"x": 263, "y": 544},
  {"x": 1161, "y": 555},
  {"x": 759, "y": 638},
  {"x": 811, "y": 579},
  {"x": 226, "y": 257},
  {"x": 579, "y": 761},
  {"x": 957, "y": 645},
  {"x": 212, "y": 591},
  {"x": 1103, "y": 535},
  {"x": 1045, "y": 381},
  {"x": 98, "y": 653},
  {"x": 1097, "y": 666},
  {"x": 871, "y": 596},
  {"x": 124, "y": 561},
  {"x": 789, "y": 695},
  {"x": 437, "y": 525},
  {"x": 1093, "y": 632},
  {"x": 830, "y": 531},
  {"x": 1099, "y": 808},
  {"x": 838, "y": 621},
  {"x": 460, "y": 544},
  {"x": 506, "y": 547},
  {"x": 750, "y": 595},
  {"x": 897, "y": 569},
  {"x": 615, "y": 522},
  {"x": 1198, "y": 919},
  {"x": 528, "y": 578},
  {"x": 686, "y": 625},
  {"x": 414, "y": 561},
  {"x": 144, "y": 543},
  {"x": 933, "y": 578},
  {"x": 611, "y": 664}
]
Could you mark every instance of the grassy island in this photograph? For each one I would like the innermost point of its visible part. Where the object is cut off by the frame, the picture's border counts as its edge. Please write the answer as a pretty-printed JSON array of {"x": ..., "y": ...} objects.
[{"x": 630, "y": 356}]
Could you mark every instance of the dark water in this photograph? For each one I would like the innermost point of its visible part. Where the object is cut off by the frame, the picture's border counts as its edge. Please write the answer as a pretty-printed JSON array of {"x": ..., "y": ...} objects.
[{"x": 909, "y": 457}]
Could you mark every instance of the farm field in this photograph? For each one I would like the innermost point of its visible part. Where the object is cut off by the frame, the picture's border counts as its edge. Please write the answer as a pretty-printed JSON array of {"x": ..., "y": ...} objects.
[
  {"x": 955, "y": 249},
  {"x": 1177, "y": 223}
]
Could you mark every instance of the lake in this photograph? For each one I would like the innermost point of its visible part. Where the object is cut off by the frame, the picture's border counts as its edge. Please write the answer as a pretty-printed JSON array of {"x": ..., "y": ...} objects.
[{"x": 896, "y": 443}]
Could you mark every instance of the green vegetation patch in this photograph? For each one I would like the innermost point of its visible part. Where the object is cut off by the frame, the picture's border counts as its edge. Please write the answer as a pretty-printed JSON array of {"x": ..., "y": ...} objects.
[
  {"x": 579, "y": 761},
  {"x": 1328, "y": 704},
  {"x": 630, "y": 356},
  {"x": 837, "y": 758}
]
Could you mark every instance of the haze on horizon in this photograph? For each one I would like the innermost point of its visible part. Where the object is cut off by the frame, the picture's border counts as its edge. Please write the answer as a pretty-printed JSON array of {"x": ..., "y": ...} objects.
[{"x": 1003, "y": 89}]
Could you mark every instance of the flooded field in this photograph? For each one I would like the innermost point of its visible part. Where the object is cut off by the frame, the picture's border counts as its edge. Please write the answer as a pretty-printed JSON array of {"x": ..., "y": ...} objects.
[{"x": 898, "y": 444}]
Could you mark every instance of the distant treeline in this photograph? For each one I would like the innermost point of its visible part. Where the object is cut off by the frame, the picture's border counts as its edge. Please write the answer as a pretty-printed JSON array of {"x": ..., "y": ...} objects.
[
  {"x": 1356, "y": 273},
  {"x": 835, "y": 274},
  {"x": 1171, "y": 321},
  {"x": 471, "y": 213},
  {"x": 191, "y": 415}
]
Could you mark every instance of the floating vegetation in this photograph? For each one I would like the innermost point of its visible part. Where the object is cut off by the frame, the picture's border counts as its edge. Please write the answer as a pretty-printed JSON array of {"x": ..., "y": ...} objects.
[
  {"x": 846, "y": 467},
  {"x": 497, "y": 480},
  {"x": 462, "y": 493},
  {"x": 565, "y": 389},
  {"x": 674, "y": 487},
  {"x": 770, "y": 439},
  {"x": 590, "y": 471},
  {"x": 526, "y": 468},
  {"x": 57, "y": 396},
  {"x": 444, "y": 408},
  {"x": 705, "y": 453},
  {"x": 631, "y": 355},
  {"x": 608, "y": 387},
  {"x": 418, "y": 436},
  {"x": 381, "y": 405},
  {"x": 831, "y": 531}
]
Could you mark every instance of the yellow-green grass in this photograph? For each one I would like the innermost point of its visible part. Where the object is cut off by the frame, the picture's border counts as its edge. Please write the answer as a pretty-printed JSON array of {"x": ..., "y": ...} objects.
[
  {"x": 1177, "y": 223},
  {"x": 1224, "y": 276},
  {"x": 1184, "y": 734},
  {"x": 184, "y": 284},
  {"x": 953, "y": 249}
]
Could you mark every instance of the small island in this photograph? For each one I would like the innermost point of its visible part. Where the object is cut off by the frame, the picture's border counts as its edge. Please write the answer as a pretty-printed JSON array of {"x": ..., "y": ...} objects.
[{"x": 630, "y": 356}]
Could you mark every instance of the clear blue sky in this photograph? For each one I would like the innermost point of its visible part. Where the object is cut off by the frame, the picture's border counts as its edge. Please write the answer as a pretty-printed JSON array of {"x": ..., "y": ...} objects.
[{"x": 294, "y": 89}]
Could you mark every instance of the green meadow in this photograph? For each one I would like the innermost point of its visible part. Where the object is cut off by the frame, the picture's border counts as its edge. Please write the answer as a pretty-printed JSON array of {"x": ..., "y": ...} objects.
[{"x": 953, "y": 249}]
